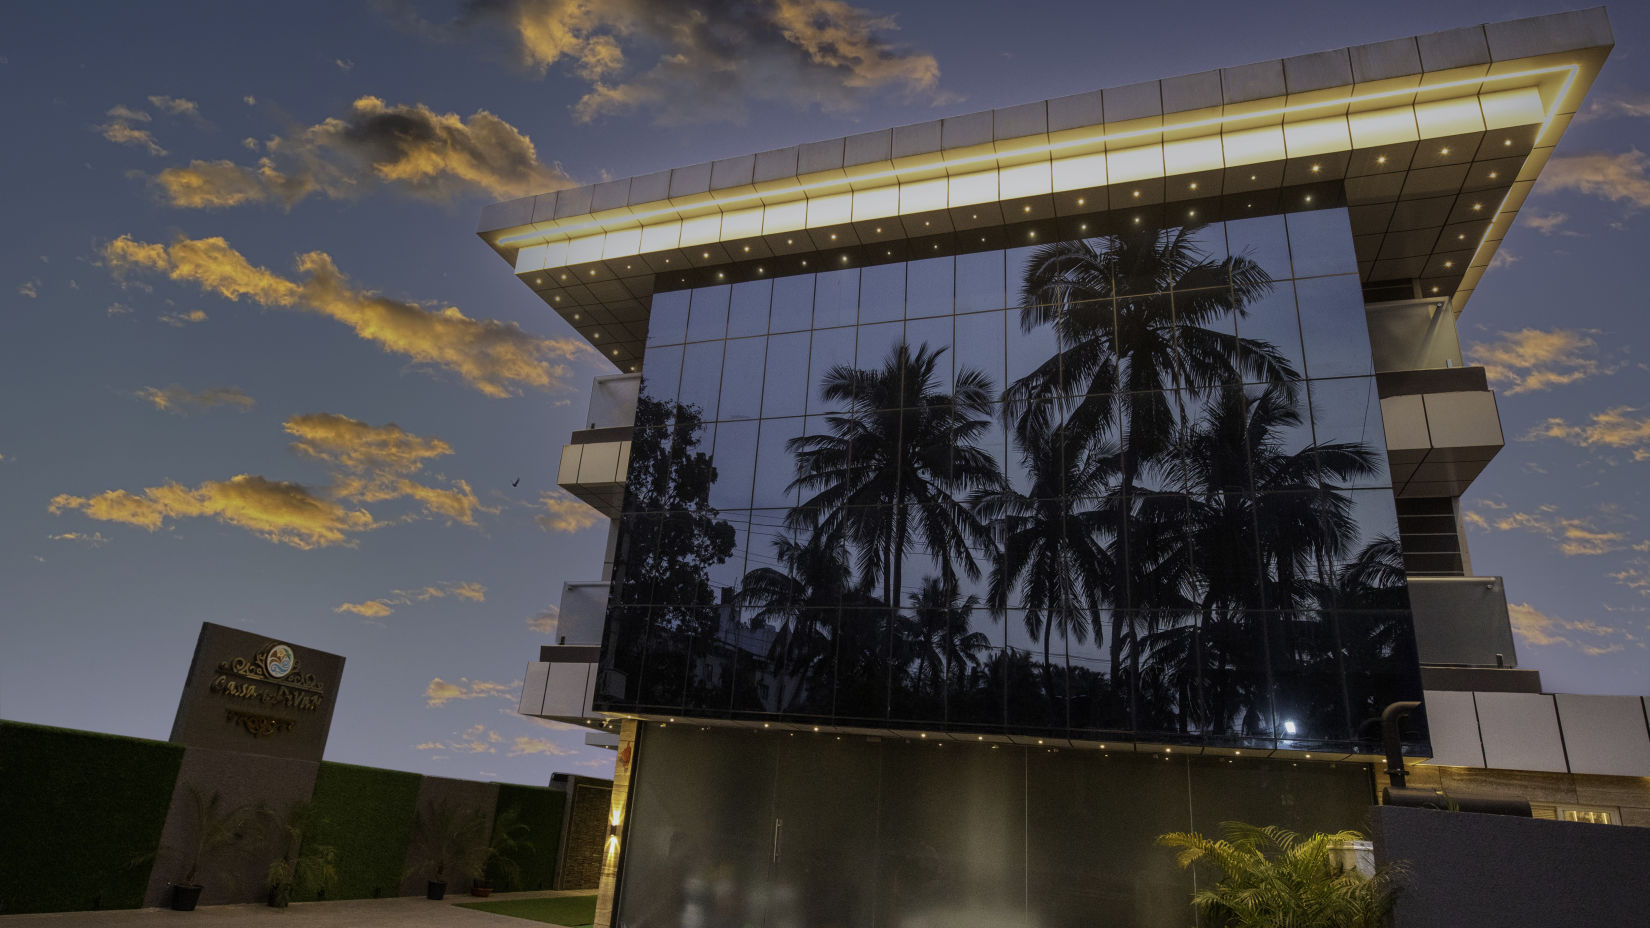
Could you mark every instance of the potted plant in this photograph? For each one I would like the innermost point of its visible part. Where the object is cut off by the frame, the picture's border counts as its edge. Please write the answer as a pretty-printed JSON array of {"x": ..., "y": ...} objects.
[
  {"x": 1272, "y": 876},
  {"x": 509, "y": 839},
  {"x": 298, "y": 866},
  {"x": 212, "y": 829},
  {"x": 449, "y": 843}
]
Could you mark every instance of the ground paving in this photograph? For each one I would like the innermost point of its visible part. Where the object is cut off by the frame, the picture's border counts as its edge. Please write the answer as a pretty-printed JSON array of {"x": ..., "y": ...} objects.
[{"x": 404, "y": 912}]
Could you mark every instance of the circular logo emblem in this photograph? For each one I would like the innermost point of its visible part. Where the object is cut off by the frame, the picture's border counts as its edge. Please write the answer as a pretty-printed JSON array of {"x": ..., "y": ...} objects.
[{"x": 279, "y": 661}]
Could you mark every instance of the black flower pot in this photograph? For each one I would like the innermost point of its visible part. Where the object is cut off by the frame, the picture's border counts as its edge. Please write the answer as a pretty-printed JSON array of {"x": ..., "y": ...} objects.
[
  {"x": 185, "y": 896},
  {"x": 280, "y": 896},
  {"x": 436, "y": 890}
]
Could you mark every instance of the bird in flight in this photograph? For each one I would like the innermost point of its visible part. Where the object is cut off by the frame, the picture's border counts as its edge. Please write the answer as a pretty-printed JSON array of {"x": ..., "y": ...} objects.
[{"x": 516, "y": 482}]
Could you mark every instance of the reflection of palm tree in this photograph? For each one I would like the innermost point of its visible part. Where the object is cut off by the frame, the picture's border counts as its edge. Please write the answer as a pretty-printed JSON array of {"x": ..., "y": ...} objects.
[
  {"x": 1051, "y": 540},
  {"x": 800, "y": 602},
  {"x": 1135, "y": 318},
  {"x": 1258, "y": 528},
  {"x": 940, "y": 614},
  {"x": 894, "y": 464}
]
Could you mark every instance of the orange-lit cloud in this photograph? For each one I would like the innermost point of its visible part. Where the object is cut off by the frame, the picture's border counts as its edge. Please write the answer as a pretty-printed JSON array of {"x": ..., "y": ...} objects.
[
  {"x": 545, "y": 621},
  {"x": 1536, "y": 359},
  {"x": 563, "y": 513},
  {"x": 176, "y": 106},
  {"x": 385, "y": 605},
  {"x": 29, "y": 288},
  {"x": 287, "y": 513},
  {"x": 1620, "y": 427},
  {"x": 1534, "y": 627},
  {"x": 1572, "y": 535},
  {"x": 122, "y": 128},
  {"x": 180, "y": 319},
  {"x": 95, "y": 539},
  {"x": 702, "y": 62},
  {"x": 372, "y": 463},
  {"x": 526, "y": 745},
  {"x": 180, "y": 400},
  {"x": 1621, "y": 177},
  {"x": 496, "y": 358},
  {"x": 1545, "y": 223},
  {"x": 407, "y": 147},
  {"x": 440, "y": 692}
]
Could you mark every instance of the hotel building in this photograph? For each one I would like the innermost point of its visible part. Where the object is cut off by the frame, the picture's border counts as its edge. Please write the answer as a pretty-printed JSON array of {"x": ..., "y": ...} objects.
[{"x": 993, "y": 494}]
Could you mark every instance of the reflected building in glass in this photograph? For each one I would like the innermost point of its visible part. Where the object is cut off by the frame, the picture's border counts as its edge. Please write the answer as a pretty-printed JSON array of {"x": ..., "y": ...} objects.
[{"x": 993, "y": 494}]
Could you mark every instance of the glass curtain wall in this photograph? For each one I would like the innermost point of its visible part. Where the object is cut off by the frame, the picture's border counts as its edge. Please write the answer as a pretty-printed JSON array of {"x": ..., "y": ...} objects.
[
  {"x": 1132, "y": 485},
  {"x": 760, "y": 828}
]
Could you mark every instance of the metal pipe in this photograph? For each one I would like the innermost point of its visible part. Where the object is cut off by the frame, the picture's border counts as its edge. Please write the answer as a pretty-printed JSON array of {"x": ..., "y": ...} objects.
[{"x": 1391, "y": 718}]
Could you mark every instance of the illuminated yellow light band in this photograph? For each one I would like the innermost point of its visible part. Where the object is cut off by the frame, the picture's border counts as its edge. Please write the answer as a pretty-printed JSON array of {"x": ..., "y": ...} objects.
[{"x": 790, "y": 208}]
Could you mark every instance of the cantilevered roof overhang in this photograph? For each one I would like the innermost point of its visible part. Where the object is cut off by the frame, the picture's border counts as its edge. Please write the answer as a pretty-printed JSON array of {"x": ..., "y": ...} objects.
[{"x": 1432, "y": 142}]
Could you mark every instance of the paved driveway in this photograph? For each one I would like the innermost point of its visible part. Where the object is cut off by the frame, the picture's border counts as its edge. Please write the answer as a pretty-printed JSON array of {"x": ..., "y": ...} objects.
[{"x": 404, "y": 912}]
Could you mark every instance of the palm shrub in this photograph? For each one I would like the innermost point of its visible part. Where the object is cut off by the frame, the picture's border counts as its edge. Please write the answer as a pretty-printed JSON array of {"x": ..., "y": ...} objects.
[
  {"x": 213, "y": 828},
  {"x": 297, "y": 866},
  {"x": 1273, "y": 876},
  {"x": 509, "y": 842},
  {"x": 450, "y": 842}
]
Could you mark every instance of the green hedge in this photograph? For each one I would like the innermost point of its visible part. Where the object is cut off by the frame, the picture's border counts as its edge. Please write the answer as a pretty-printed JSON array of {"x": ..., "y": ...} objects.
[
  {"x": 541, "y": 811},
  {"x": 82, "y": 814},
  {"x": 367, "y": 815}
]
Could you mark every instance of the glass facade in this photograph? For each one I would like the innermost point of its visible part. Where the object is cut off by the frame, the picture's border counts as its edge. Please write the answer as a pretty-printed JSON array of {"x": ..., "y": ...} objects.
[
  {"x": 761, "y": 828},
  {"x": 1128, "y": 486}
]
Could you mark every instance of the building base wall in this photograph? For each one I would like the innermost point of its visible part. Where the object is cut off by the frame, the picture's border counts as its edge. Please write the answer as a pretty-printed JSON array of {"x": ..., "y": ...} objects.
[
  {"x": 1490, "y": 871},
  {"x": 776, "y": 828}
]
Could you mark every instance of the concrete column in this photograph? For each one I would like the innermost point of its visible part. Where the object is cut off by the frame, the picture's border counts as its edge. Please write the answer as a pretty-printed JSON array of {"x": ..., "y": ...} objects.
[{"x": 608, "y": 891}]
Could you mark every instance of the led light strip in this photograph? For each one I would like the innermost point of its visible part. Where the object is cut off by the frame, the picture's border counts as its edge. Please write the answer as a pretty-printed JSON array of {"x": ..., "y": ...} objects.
[{"x": 796, "y": 193}]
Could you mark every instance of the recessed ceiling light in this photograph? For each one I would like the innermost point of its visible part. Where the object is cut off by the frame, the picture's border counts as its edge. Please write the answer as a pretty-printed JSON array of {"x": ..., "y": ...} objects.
[
  {"x": 833, "y": 236},
  {"x": 1033, "y": 235},
  {"x": 558, "y": 299},
  {"x": 538, "y": 280},
  {"x": 1477, "y": 206},
  {"x": 1137, "y": 220},
  {"x": 1434, "y": 290},
  {"x": 804, "y": 262},
  {"x": 1083, "y": 228},
  {"x": 747, "y": 248},
  {"x": 1079, "y": 201},
  {"x": 1493, "y": 175},
  {"x": 1443, "y": 151},
  {"x": 1193, "y": 185},
  {"x": 1507, "y": 142},
  {"x": 575, "y": 315},
  {"x": 1449, "y": 264},
  {"x": 1314, "y": 169},
  {"x": 1309, "y": 198},
  {"x": 615, "y": 352},
  {"x": 1192, "y": 212},
  {"x": 925, "y": 223},
  {"x": 1137, "y": 193},
  {"x": 1461, "y": 235},
  {"x": 705, "y": 255},
  {"x": 1381, "y": 160},
  {"x": 879, "y": 229},
  {"x": 564, "y": 277},
  {"x": 1251, "y": 177}
]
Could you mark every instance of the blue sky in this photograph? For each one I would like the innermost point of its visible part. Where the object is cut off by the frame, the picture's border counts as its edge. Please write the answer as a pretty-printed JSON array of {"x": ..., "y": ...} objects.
[{"x": 334, "y": 436}]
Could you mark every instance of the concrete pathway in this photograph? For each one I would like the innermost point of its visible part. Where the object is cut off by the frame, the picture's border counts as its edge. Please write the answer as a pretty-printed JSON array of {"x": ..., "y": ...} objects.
[{"x": 403, "y": 912}]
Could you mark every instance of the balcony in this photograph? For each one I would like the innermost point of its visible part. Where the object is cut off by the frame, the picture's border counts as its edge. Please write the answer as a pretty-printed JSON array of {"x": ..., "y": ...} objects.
[
  {"x": 1464, "y": 637},
  {"x": 562, "y": 682},
  {"x": 597, "y": 458},
  {"x": 1442, "y": 425}
]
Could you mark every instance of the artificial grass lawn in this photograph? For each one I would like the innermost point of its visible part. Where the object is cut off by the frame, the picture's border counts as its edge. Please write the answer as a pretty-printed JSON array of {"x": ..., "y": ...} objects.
[{"x": 559, "y": 910}]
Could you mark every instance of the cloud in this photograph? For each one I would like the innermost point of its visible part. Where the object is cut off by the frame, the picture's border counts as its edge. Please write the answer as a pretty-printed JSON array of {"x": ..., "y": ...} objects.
[
  {"x": 496, "y": 358},
  {"x": 122, "y": 129},
  {"x": 119, "y": 309},
  {"x": 1545, "y": 223},
  {"x": 526, "y": 745},
  {"x": 430, "y": 746},
  {"x": 545, "y": 621},
  {"x": 250, "y": 100},
  {"x": 1632, "y": 105},
  {"x": 385, "y": 605},
  {"x": 440, "y": 692},
  {"x": 367, "y": 464},
  {"x": 376, "y": 463},
  {"x": 563, "y": 513},
  {"x": 702, "y": 61},
  {"x": 1573, "y": 536},
  {"x": 1504, "y": 258},
  {"x": 287, "y": 513},
  {"x": 29, "y": 288},
  {"x": 1535, "y": 359},
  {"x": 1621, "y": 177},
  {"x": 344, "y": 64},
  {"x": 410, "y": 148},
  {"x": 176, "y": 106},
  {"x": 1635, "y": 576},
  {"x": 179, "y": 320},
  {"x": 1534, "y": 627},
  {"x": 179, "y": 400},
  {"x": 1619, "y": 427},
  {"x": 95, "y": 539}
]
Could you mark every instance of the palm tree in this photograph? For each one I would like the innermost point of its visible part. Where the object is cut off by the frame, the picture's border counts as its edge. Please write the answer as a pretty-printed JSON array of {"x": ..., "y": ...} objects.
[
  {"x": 894, "y": 464},
  {"x": 945, "y": 645},
  {"x": 1271, "y": 876}
]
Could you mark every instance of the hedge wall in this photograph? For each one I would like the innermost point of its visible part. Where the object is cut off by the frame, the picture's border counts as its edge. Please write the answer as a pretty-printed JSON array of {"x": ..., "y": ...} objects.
[
  {"x": 541, "y": 811},
  {"x": 367, "y": 815},
  {"x": 82, "y": 813}
]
